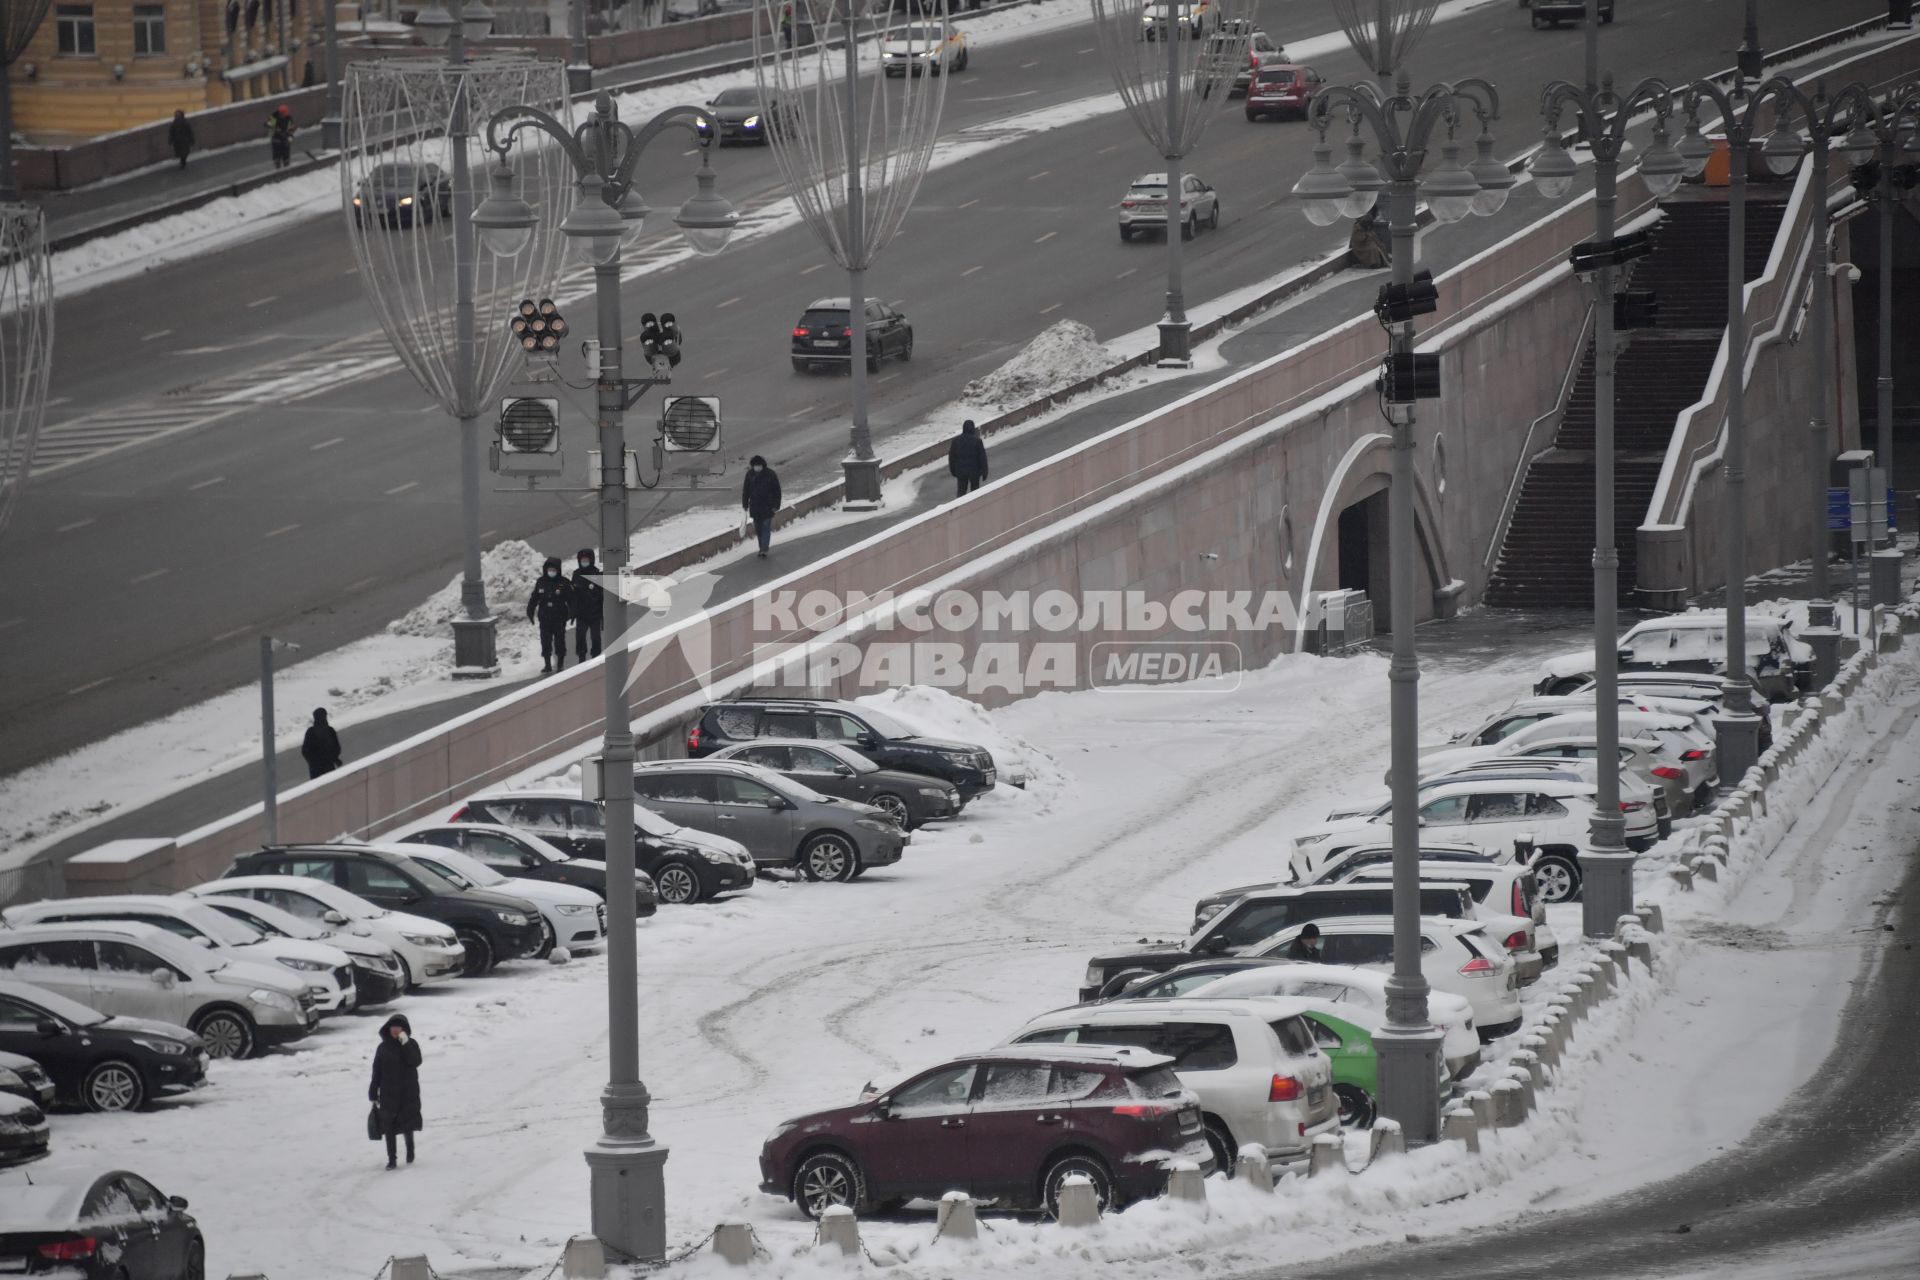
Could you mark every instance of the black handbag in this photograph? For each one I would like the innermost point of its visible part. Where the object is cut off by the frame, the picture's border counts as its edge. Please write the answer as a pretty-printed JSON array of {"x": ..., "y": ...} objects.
[{"x": 373, "y": 1123}]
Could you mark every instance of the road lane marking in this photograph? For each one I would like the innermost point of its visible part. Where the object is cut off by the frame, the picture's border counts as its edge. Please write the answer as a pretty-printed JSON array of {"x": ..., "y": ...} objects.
[
  {"x": 969, "y": 204},
  {"x": 716, "y": 373},
  {"x": 1085, "y": 51},
  {"x": 57, "y": 400},
  {"x": 228, "y": 635},
  {"x": 970, "y": 270},
  {"x": 261, "y": 302},
  {"x": 1043, "y": 239},
  {"x": 285, "y": 528},
  {"x": 158, "y": 333},
  {"x": 488, "y": 534},
  {"x": 399, "y": 488},
  {"x": 148, "y": 576},
  {"x": 77, "y": 524},
  {"x": 1124, "y": 274},
  {"x": 327, "y": 444},
  {"x": 1047, "y": 311},
  {"x": 208, "y": 483},
  {"x": 10, "y": 622},
  {"x": 800, "y": 413},
  {"x": 91, "y": 684},
  {"x": 721, "y": 306},
  {"x": 888, "y": 378},
  {"x": 364, "y": 582},
  {"x": 1115, "y": 147},
  {"x": 1028, "y": 66},
  {"x": 815, "y": 267},
  {"x": 1035, "y": 176}
]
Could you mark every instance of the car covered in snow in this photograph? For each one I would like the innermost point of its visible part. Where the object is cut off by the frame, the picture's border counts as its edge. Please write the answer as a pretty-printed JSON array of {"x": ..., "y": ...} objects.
[
  {"x": 881, "y": 738},
  {"x": 1779, "y": 663},
  {"x": 573, "y": 917},
  {"x": 1010, "y": 1124},
  {"x": 377, "y": 972},
  {"x": 95, "y": 1060},
  {"x": 1677, "y": 741},
  {"x": 428, "y": 951},
  {"x": 1143, "y": 209},
  {"x": 521, "y": 855},
  {"x": 86, "y": 1222},
  {"x": 23, "y": 1132}
]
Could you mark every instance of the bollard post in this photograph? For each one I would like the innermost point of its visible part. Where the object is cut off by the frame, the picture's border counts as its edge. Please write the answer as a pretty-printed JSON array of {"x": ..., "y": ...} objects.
[
  {"x": 411, "y": 1268},
  {"x": 1640, "y": 947},
  {"x": 1185, "y": 1184},
  {"x": 1554, "y": 1029},
  {"x": 1527, "y": 1061},
  {"x": 1481, "y": 1103},
  {"x": 1327, "y": 1156},
  {"x": 1623, "y": 924},
  {"x": 1509, "y": 1103},
  {"x": 1705, "y": 869},
  {"x": 957, "y": 1220},
  {"x": 1651, "y": 917},
  {"x": 1078, "y": 1207},
  {"x": 583, "y": 1259},
  {"x": 839, "y": 1229},
  {"x": 733, "y": 1241},
  {"x": 1540, "y": 1045},
  {"x": 1387, "y": 1139},
  {"x": 1460, "y": 1124},
  {"x": 1617, "y": 957},
  {"x": 1254, "y": 1168}
]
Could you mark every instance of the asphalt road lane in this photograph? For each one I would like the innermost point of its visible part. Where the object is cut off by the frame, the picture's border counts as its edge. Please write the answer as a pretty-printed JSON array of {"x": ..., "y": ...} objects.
[{"x": 140, "y": 578}]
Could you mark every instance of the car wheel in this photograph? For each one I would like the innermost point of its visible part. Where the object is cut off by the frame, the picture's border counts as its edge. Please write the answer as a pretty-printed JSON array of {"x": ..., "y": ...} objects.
[
  {"x": 828, "y": 856},
  {"x": 196, "y": 1265},
  {"x": 113, "y": 1086},
  {"x": 1126, "y": 235},
  {"x": 906, "y": 349},
  {"x": 228, "y": 1033},
  {"x": 1220, "y": 1142},
  {"x": 677, "y": 882},
  {"x": 895, "y": 807},
  {"x": 825, "y": 1179},
  {"x": 1190, "y": 227},
  {"x": 546, "y": 939},
  {"x": 1356, "y": 1108},
  {"x": 406, "y": 973},
  {"x": 873, "y": 360},
  {"x": 479, "y": 951},
  {"x": 1213, "y": 220},
  {"x": 967, "y": 54},
  {"x": 1060, "y": 1170},
  {"x": 1558, "y": 877}
]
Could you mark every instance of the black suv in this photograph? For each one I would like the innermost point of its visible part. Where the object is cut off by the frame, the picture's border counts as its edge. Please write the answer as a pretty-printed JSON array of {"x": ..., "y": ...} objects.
[
  {"x": 1254, "y": 919},
  {"x": 874, "y": 734},
  {"x": 824, "y": 335},
  {"x": 491, "y": 926}
]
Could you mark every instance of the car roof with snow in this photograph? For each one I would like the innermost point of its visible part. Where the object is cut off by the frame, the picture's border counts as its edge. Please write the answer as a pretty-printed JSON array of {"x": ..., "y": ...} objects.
[
  {"x": 1172, "y": 1009},
  {"x": 1444, "y": 787},
  {"x": 1092, "y": 1054},
  {"x": 1708, "y": 618},
  {"x": 1365, "y": 924}
]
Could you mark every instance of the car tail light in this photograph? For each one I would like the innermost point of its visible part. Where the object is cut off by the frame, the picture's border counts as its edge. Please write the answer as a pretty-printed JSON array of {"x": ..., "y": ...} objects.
[
  {"x": 1479, "y": 964},
  {"x": 1668, "y": 772},
  {"x": 1519, "y": 900},
  {"x": 1141, "y": 1110},
  {"x": 1695, "y": 754},
  {"x": 1516, "y": 940},
  {"x": 799, "y": 331},
  {"x": 1127, "y": 204},
  {"x": 459, "y": 815},
  {"x": 69, "y": 1250},
  {"x": 1283, "y": 1089},
  {"x": 847, "y": 332},
  {"x": 693, "y": 734},
  {"x": 1632, "y": 806}
]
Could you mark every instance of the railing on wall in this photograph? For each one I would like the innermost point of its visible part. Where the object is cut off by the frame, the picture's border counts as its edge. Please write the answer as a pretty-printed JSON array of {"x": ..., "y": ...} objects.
[{"x": 1529, "y": 453}]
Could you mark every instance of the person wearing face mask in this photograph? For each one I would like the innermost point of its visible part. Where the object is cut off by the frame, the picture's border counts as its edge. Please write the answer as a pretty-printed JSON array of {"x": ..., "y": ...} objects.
[
  {"x": 551, "y": 605},
  {"x": 588, "y": 607},
  {"x": 760, "y": 496}
]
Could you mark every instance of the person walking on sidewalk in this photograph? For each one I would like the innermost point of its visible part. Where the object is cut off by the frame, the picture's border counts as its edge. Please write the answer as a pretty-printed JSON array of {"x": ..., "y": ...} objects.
[
  {"x": 760, "y": 497},
  {"x": 551, "y": 605},
  {"x": 395, "y": 1088},
  {"x": 180, "y": 136},
  {"x": 321, "y": 747},
  {"x": 967, "y": 459},
  {"x": 280, "y": 136},
  {"x": 588, "y": 607}
]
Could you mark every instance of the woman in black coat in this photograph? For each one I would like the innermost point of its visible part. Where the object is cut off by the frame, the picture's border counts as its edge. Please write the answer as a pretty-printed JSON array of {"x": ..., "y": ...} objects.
[{"x": 395, "y": 1090}]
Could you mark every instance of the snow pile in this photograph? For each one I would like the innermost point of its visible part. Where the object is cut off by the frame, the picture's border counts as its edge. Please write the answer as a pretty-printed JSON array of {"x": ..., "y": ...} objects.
[
  {"x": 936, "y": 713},
  {"x": 509, "y": 570},
  {"x": 1060, "y": 356}
]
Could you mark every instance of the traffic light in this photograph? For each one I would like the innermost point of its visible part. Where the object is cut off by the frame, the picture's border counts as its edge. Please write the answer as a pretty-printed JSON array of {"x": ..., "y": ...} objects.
[
  {"x": 652, "y": 339},
  {"x": 670, "y": 338},
  {"x": 1408, "y": 376},
  {"x": 538, "y": 327},
  {"x": 1591, "y": 255},
  {"x": 1398, "y": 302}
]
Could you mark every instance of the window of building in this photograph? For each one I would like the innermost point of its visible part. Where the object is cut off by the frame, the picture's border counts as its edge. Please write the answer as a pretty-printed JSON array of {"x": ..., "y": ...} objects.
[
  {"x": 73, "y": 29},
  {"x": 149, "y": 29}
]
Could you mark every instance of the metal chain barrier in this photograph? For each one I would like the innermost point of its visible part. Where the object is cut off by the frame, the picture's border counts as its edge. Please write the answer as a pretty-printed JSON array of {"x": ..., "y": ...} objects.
[
  {"x": 383, "y": 1268},
  {"x": 687, "y": 1252}
]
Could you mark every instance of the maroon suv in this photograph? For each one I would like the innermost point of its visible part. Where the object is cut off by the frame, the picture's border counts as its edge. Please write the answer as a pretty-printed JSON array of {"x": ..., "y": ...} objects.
[{"x": 1008, "y": 1125}]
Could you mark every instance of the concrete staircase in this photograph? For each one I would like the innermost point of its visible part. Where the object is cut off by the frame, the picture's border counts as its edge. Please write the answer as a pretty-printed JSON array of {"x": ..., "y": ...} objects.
[{"x": 1546, "y": 559}]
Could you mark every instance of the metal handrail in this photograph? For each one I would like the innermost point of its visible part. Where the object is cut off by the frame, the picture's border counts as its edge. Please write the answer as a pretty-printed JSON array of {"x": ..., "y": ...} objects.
[{"x": 1528, "y": 454}]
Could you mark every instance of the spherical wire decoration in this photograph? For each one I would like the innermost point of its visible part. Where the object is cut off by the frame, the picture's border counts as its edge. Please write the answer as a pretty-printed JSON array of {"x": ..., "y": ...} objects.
[
  {"x": 413, "y": 155},
  {"x": 26, "y": 345},
  {"x": 1384, "y": 32},
  {"x": 1172, "y": 78}
]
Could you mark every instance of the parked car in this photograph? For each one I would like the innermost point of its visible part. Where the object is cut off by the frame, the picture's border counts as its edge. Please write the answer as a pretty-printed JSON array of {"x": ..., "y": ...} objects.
[
  {"x": 1639, "y": 758},
  {"x": 326, "y": 971},
  {"x": 824, "y": 334},
  {"x": 1551, "y": 13},
  {"x": 1504, "y": 896},
  {"x": 929, "y": 46},
  {"x": 1345, "y": 1034},
  {"x": 1262, "y": 51},
  {"x": 396, "y": 194},
  {"x": 782, "y": 823},
  {"x": 1253, "y": 1064},
  {"x": 1252, "y": 919},
  {"x": 1143, "y": 209},
  {"x": 1281, "y": 89},
  {"x": 1642, "y": 807},
  {"x": 521, "y": 855},
  {"x": 23, "y": 1132},
  {"x": 126, "y": 969},
  {"x": 377, "y": 973},
  {"x": 879, "y": 737},
  {"x": 88, "y": 1223},
  {"x": 741, "y": 117},
  {"x": 1456, "y": 956},
  {"x": 1695, "y": 642},
  {"x": 492, "y": 927},
  {"x": 95, "y": 1060},
  {"x": 1344, "y": 986},
  {"x": 572, "y": 917},
  {"x": 428, "y": 951},
  {"x": 684, "y": 865},
  {"x": 1010, "y": 1124},
  {"x": 834, "y": 769},
  {"x": 1157, "y": 15},
  {"x": 1678, "y": 741},
  {"x": 1529, "y": 712},
  {"x": 21, "y": 1076}
]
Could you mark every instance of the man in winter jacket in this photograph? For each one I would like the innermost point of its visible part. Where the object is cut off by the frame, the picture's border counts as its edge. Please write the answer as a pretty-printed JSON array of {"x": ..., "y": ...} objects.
[
  {"x": 587, "y": 606},
  {"x": 967, "y": 459},
  {"x": 280, "y": 136},
  {"x": 180, "y": 136},
  {"x": 551, "y": 605},
  {"x": 321, "y": 747},
  {"x": 760, "y": 496}
]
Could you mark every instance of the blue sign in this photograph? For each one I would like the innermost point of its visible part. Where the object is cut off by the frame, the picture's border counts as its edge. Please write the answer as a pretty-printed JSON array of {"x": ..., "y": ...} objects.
[{"x": 1840, "y": 510}]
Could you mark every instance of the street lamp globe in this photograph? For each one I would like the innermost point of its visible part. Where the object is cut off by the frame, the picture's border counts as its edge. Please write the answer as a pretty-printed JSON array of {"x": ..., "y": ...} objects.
[
  {"x": 1363, "y": 180},
  {"x": 505, "y": 221},
  {"x": 1661, "y": 168},
  {"x": 1495, "y": 179},
  {"x": 476, "y": 20},
  {"x": 592, "y": 228},
  {"x": 1552, "y": 168},
  {"x": 434, "y": 26},
  {"x": 1694, "y": 150},
  {"x": 1782, "y": 150},
  {"x": 633, "y": 211},
  {"x": 1860, "y": 146},
  {"x": 1321, "y": 189},
  {"x": 1450, "y": 190},
  {"x": 707, "y": 220}
]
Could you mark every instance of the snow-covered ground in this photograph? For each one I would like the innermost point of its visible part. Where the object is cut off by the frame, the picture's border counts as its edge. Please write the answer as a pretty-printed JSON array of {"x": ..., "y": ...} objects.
[{"x": 792, "y": 996}]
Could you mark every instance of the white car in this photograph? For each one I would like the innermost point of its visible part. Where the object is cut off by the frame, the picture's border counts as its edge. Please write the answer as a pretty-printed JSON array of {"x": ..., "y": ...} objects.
[
  {"x": 376, "y": 968},
  {"x": 1528, "y": 712},
  {"x": 1639, "y": 758},
  {"x": 1456, "y": 956},
  {"x": 1505, "y": 901},
  {"x": 428, "y": 950},
  {"x": 1645, "y": 808},
  {"x": 1679, "y": 741},
  {"x": 1143, "y": 210},
  {"x": 1195, "y": 15},
  {"x": 575, "y": 918},
  {"x": 1259, "y": 1074},
  {"x": 924, "y": 46},
  {"x": 326, "y": 970},
  {"x": 1344, "y": 985},
  {"x": 1779, "y": 662}
]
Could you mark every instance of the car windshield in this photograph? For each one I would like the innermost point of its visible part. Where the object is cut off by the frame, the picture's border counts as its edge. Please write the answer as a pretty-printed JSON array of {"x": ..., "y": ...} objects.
[
  {"x": 61, "y": 1007},
  {"x": 478, "y": 872},
  {"x": 1276, "y": 77},
  {"x": 222, "y": 927},
  {"x": 827, "y": 319},
  {"x": 886, "y": 724},
  {"x": 1157, "y": 190},
  {"x": 789, "y": 788},
  {"x": 392, "y": 177},
  {"x": 448, "y": 874},
  {"x": 737, "y": 98},
  {"x": 925, "y": 34},
  {"x": 649, "y": 823}
]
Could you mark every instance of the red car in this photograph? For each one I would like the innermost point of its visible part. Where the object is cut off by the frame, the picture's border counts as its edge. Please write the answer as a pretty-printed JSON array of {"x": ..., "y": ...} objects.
[
  {"x": 1286, "y": 88},
  {"x": 1008, "y": 1125}
]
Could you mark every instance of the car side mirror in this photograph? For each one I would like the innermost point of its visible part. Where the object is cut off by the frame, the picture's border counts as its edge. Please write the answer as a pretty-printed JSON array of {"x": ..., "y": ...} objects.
[
  {"x": 178, "y": 1202},
  {"x": 203, "y": 942},
  {"x": 333, "y": 917},
  {"x": 842, "y": 771},
  {"x": 866, "y": 740},
  {"x": 48, "y": 1027},
  {"x": 883, "y": 1107},
  {"x": 162, "y": 977},
  {"x": 778, "y": 803}
]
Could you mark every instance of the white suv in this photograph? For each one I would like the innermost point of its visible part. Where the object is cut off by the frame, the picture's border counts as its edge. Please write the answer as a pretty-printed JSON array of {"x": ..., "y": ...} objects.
[
  {"x": 1455, "y": 956},
  {"x": 1255, "y": 1066},
  {"x": 429, "y": 951},
  {"x": 1779, "y": 662},
  {"x": 1680, "y": 743},
  {"x": 1504, "y": 894}
]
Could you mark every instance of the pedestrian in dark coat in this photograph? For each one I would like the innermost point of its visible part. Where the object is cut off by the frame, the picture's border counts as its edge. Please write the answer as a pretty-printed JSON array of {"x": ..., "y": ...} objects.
[
  {"x": 551, "y": 605},
  {"x": 280, "y": 136},
  {"x": 321, "y": 747},
  {"x": 760, "y": 496},
  {"x": 1307, "y": 945},
  {"x": 588, "y": 607},
  {"x": 395, "y": 1088},
  {"x": 967, "y": 459},
  {"x": 180, "y": 136}
]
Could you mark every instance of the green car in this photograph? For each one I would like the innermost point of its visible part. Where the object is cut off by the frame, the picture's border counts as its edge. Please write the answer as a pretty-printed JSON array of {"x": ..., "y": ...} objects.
[{"x": 1349, "y": 1048}]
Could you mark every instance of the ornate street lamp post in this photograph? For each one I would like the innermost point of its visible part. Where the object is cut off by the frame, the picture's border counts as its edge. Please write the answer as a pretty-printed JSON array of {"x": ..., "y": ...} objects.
[
  {"x": 26, "y": 344},
  {"x": 18, "y": 21}
]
